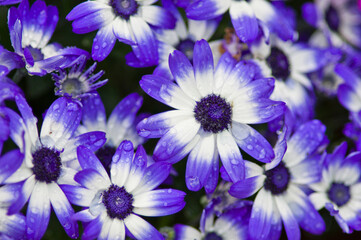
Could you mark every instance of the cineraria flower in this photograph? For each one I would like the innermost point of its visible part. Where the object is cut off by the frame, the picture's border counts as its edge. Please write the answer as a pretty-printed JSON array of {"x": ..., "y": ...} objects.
[
  {"x": 9, "y": 61},
  {"x": 113, "y": 205},
  {"x": 182, "y": 38},
  {"x": 213, "y": 110},
  {"x": 8, "y": 89},
  {"x": 280, "y": 197},
  {"x": 289, "y": 64},
  {"x": 30, "y": 31},
  {"x": 231, "y": 224},
  {"x": 119, "y": 126},
  {"x": 124, "y": 20},
  {"x": 76, "y": 83},
  {"x": 43, "y": 170},
  {"x": 339, "y": 20},
  {"x": 340, "y": 187},
  {"x": 247, "y": 17}
]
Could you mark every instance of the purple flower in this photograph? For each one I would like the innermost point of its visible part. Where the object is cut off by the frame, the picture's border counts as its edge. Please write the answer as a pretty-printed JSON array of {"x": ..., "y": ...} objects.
[
  {"x": 113, "y": 204},
  {"x": 340, "y": 187},
  {"x": 119, "y": 126},
  {"x": 125, "y": 20},
  {"x": 280, "y": 197},
  {"x": 231, "y": 224},
  {"x": 30, "y": 31},
  {"x": 13, "y": 227},
  {"x": 77, "y": 83},
  {"x": 213, "y": 110},
  {"x": 338, "y": 21},
  {"x": 248, "y": 17},
  {"x": 182, "y": 38},
  {"x": 42, "y": 168}
]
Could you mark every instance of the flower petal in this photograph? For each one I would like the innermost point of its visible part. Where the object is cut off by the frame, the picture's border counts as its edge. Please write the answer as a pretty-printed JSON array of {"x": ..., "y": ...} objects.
[
  {"x": 175, "y": 140},
  {"x": 88, "y": 160},
  {"x": 230, "y": 156},
  {"x": 61, "y": 120},
  {"x": 93, "y": 118},
  {"x": 289, "y": 220},
  {"x": 244, "y": 21},
  {"x": 157, "y": 16},
  {"x": 121, "y": 163},
  {"x": 141, "y": 229},
  {"x": 252, "y": 142},
  {"x": 138, "y": 166},
  {"x": 122, "y": 117},
  {"x": 78, "y": 195},
  {"x": 203, "y": 67},
  {"x": 154, "y": 175},
  {"x": 63, "y": 210},
  {"x": 103, "y": 43},
  {"x": 200, "y": 161},
  {"x": 9, "y": 163},
  {"x": 247, "y": 187},
  {"x": 38, "y": 213},
  {"x": 207, "y": 9}
]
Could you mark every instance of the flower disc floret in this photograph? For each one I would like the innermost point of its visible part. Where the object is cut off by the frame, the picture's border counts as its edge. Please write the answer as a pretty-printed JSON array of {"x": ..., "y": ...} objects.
[
  {"x": 279, "y": 64},
  {"x": 213, "y": 113},
  {"x": 124, "y": 8},
  {"x": 47, "y": 164},
  {"x": 339, "y": 193},
  {"x": 118, "y": 202},
  {"x": 277, "y": 179}
]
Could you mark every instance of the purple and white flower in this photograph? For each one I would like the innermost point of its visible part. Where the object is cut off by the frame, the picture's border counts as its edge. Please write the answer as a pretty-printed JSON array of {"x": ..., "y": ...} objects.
[
  {"x": 213, "y": 110},
  {"x": 30, "y": 32},
  {"x": 340, "y": 187},
  {"x": 249, "y": 18},
  {"x": 231, "y": 224},
  {"x": 40, "y": 172},
  {"x": 113, "y": 204},
  {"x": 280, "y": 197},
  {"x": 119, "y": 126},
  {"x": 338, "y": 20},
  {"x": 77, "y": 83},
  {"x": 124, "y": 20},
  {"x": 182, "y": 38}
]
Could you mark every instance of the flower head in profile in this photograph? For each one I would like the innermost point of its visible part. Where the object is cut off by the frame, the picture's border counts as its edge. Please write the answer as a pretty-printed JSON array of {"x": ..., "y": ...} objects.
[
  {"x": 339, "y": 189},
  {"x": 42, "y": 169},
  {"x": 77, "y": 83},
  {"x": 213, "y": 110},
  {"x": 30, "y": 31},
  {"x": 125, "y": 20},
  {"x": 113, "y": 204},
  {"x": 279, "y": 184}
]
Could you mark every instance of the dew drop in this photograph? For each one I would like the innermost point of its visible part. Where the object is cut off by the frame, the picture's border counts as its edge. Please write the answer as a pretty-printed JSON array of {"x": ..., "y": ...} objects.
[
  {"x": 250, "y": 147},
  {"x": 104, "y": 45},
  {"x": 96, "y": 47}
]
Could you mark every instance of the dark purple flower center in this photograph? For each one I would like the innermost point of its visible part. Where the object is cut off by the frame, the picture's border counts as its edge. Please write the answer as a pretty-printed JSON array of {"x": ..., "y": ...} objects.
[
  {"x": 277, "y": 179},
  {"x": 105, "y": 155},
  {"x": 278, "y": 62},
  {"x": 332, "y": 18},
  {"x": 118, "y": 202},
  {"x": 124, "y": 8},
  {"x": 186, "y": 46},
  {"x": 212, "y": 236},
  {"x": 339, "y": 193},
  {"x": 47, "y": 164},
  {"x": 213, "y": 113},
  {"x": 36, "y": 53}
]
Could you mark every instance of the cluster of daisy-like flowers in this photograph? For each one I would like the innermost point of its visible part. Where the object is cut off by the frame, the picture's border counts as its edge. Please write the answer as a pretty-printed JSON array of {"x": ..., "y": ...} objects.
[{"x": 252, "y": 98}]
